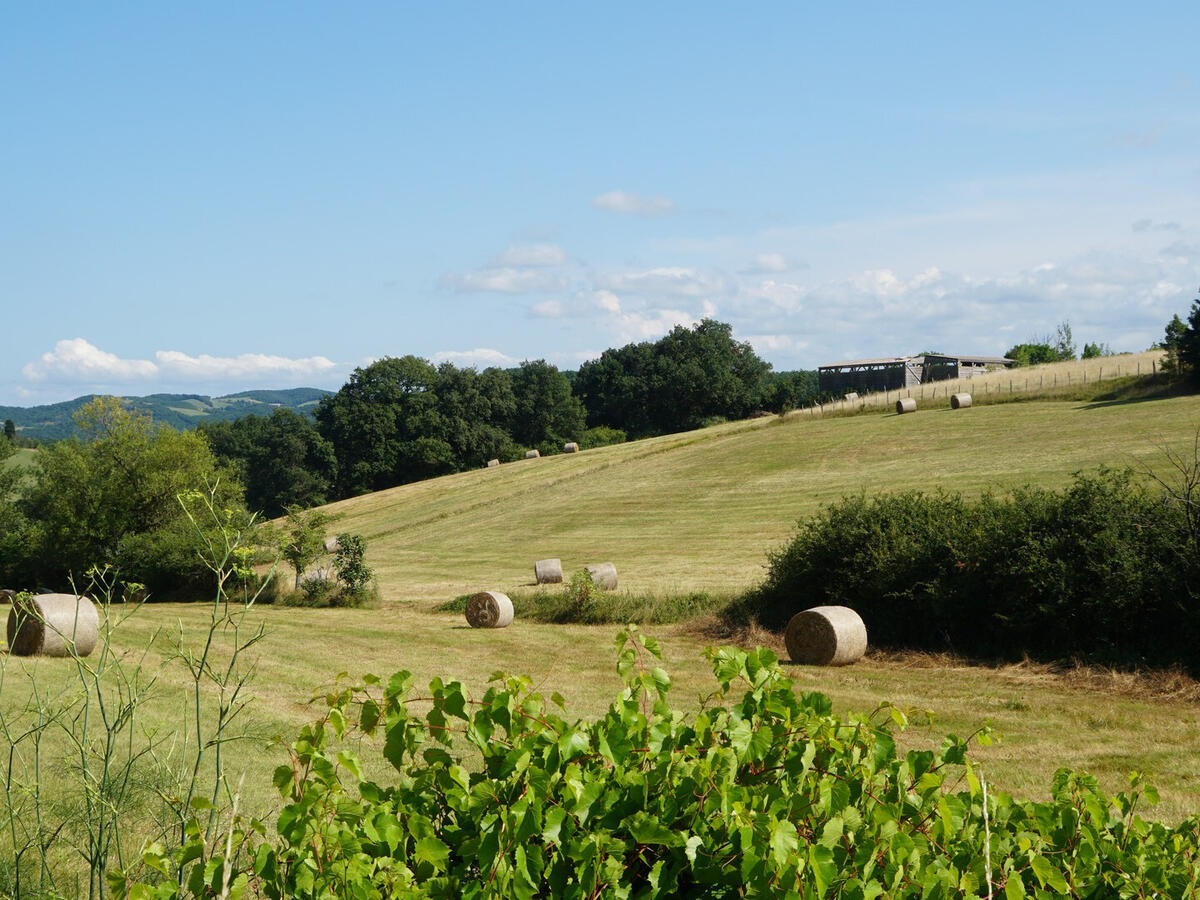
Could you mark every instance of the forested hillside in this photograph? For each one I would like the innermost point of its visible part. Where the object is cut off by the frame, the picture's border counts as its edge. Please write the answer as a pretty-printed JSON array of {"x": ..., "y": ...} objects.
[{"x": 54, "y": 421}]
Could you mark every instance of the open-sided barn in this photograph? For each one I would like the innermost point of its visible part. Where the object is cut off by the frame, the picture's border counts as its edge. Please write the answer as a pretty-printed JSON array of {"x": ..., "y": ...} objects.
[{"x": 896, "y": 373}]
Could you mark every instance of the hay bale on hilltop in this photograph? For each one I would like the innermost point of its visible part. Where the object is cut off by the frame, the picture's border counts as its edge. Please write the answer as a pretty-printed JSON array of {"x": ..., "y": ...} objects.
[
  {"x": 532, "y": 454},
  {"x": 53, "y": 625},
  {"x": 826, "y": 636},
  {"x": 492, "y": 463},
  {"x": 570, "y": 447},
  {"x": 604, "y": 575},
  {"x": 489, "y": 609},
  {"x": 960, "y": 401},
  {"x": 548, "y": 571},
  {"x": 905, "y": 405},
  {"x": 332, "y": 545}
]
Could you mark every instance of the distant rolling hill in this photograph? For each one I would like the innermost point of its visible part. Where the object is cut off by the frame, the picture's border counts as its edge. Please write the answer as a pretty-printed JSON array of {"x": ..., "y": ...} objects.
[{"x": 183, "y": 411}]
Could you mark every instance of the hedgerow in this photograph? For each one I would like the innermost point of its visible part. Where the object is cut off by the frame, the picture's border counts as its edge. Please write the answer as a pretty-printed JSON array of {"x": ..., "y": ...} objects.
[
  {"x": 1106, "y": 570},
  {"x": 762, "y": 792}
]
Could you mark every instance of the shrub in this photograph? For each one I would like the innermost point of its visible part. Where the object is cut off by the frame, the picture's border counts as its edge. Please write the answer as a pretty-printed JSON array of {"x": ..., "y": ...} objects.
[{"x": 601, "y": 436}]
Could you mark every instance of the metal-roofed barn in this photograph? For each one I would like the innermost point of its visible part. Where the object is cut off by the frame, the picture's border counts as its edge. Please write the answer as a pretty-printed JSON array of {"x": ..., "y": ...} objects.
[{"x": 899, "y": 372}]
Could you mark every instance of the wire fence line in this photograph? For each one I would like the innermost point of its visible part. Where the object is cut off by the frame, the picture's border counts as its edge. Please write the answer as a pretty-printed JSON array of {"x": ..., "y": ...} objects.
[{"x": 1005, "y": 381}]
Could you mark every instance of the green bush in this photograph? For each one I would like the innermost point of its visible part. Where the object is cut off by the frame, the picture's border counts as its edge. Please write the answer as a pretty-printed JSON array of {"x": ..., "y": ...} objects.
[
  {"x": 762, "y": 792},
  {"x": 601, "y": 436},
  {"x": 1105, "y": 570}
]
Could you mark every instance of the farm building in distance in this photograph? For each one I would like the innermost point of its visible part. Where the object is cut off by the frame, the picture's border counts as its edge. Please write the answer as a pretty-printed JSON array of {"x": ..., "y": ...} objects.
[{"x": 897, "y": 373}]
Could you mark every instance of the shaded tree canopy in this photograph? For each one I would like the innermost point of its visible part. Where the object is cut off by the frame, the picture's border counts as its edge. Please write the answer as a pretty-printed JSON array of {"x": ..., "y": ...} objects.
[
  {"x": 281, "y": 459},
  {"x": 548, "y": 414},
  {"x": 401, "y": 419}
]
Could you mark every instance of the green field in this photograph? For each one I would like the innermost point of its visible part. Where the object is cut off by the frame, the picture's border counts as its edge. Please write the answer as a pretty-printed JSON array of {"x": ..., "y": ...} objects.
[{"x": 699, "y": 511}]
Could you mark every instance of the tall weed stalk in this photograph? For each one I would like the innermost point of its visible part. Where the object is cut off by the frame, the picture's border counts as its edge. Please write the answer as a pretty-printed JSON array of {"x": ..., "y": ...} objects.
[{"x": 86, "y": 779}]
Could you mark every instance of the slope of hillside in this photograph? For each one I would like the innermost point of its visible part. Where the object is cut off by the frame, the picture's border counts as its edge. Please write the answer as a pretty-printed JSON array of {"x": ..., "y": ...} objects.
[{"x": 699, "y": 511}]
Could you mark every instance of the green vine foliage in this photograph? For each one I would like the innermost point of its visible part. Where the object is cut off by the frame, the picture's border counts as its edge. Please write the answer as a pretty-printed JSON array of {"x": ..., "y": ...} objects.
[{"x": 761, "y": 793}]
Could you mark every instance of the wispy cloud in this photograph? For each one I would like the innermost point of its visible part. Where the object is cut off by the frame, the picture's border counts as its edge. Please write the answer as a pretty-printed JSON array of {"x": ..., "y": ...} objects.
[
  {"x": 671, "y": 281},
  {"x": 631, "y": 204},
  {"x": 1150, "y": 225},
  {"x": 767, "y": 264},
  {"x": 534, "y": 255},
  {"x": 503, "y": 280}
]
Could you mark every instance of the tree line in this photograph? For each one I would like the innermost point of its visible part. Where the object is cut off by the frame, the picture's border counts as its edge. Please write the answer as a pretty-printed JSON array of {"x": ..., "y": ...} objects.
[{"x": 403, "y": 419}]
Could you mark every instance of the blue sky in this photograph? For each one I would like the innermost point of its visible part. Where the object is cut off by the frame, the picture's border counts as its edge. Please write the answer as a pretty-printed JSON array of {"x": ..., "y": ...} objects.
[{"x": 230, "y": 196}]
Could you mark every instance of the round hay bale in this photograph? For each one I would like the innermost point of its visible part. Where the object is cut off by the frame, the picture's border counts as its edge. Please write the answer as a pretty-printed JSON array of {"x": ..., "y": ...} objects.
[
  {"x": 604, "y": 575},
  {"x": 53, "y": 625},
  {"x": 532, "y": 454},
  {"x": 332, "y": 545},
  {"x": 548, "y": 571},
  {"x": 570, "y": 447},
  {"x": 489, "y": 609},
  {"x": 6, "y": 595},
  {"x": 905, "y": 405},
  {"x": 960, "y": 401},
  {"x": 851, "y": 397},
  {"x": 492, "y": 463},
  {"x": 826, "y": 636}
]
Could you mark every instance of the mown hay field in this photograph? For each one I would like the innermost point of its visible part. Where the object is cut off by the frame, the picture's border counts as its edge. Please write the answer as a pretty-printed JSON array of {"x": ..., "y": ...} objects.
[{"x": 699, "y": 511}]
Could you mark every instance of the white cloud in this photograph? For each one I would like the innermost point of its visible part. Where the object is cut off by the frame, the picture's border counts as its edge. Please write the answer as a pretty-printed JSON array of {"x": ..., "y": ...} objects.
[
  {"x": 672, "y": 281},
  {"x": 481, "y": 357},
  {"x": 503, "y": 280},
  {"x": 548, "y": 309},
  {"x": 77, "y": 360},
  {"x": 173, "y": 364},
  {"x": 633, "y": 204},
  {"x": 533, "y": 255},
  {"x": 767, "y": 263}
]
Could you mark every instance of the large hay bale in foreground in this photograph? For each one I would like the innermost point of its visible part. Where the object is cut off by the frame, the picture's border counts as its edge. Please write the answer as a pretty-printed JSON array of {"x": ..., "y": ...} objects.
[
  {"x": 489, "y": 609},
  {"x": 6, "y": 595},
  {"x": 532, "y": 454},
  {"x": 548, "y": 571},
  {"x": 905, "y": 405},
  {"x": 53, "y": 625},
  {"x": 826, "y": 636},
  {"x": 604, "y": 575},
  {"x": 960, "y": 401},
  {"x": 570, "y": 447}
]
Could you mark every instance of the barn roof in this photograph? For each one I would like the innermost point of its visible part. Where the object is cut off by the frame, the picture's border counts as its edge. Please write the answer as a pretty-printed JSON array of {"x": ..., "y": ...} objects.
[{"x": 900, "y": 360}]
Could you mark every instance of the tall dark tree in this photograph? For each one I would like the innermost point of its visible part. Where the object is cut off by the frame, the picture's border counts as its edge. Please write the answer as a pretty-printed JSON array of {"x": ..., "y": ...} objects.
[
  {"x": 473, "y": 414},
  {"x": 10, "y": 430},
  {"x": 548, "y": 414},
  {"x": 282, "y": 459},
  {"x": 380, "y": 425},
  {"x": 1189, "y": 345},
  {"x": 687, "y": 377}
]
